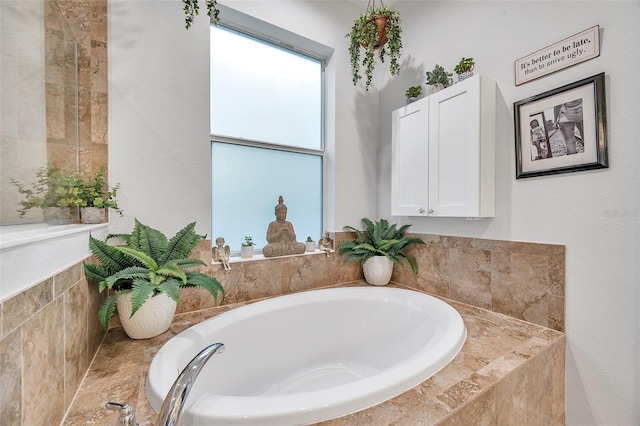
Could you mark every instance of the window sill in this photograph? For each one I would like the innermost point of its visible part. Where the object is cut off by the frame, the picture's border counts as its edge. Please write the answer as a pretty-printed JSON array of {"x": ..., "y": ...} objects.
[{"x": 258, "y": 257}]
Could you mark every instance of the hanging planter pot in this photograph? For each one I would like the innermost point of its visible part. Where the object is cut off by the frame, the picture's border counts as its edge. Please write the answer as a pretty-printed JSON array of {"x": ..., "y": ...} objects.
[{"x": 375, "y": 28}]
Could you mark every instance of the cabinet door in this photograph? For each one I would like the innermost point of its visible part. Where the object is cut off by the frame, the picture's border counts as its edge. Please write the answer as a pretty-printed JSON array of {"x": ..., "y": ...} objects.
[
  {"x": 454, "y": 156},
  {"x": 409, "y": 174}
]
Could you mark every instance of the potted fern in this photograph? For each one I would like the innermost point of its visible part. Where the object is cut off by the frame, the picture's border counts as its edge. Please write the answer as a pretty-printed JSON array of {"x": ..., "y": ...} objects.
[
  {"x": 464, "y": 69},
  {"x": 438, "y": 79},
  {"x": 146, "y": 274},
  {"x": 378, "y": 247},
  {"x": 376, "y": 31}
]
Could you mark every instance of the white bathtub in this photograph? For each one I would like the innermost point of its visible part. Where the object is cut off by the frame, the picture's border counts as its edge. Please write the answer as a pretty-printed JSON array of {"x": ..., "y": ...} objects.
[{"x": 310, "y": 356}]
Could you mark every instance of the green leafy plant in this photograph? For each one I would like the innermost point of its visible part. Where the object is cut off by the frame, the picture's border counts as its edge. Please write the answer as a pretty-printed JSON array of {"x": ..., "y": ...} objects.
[
  {"x": 248, "y": 242},
  {"x": 379, "y": 239},
  {"x": 309, "y": 239},
  {"x": 413, "y": 92},
  {"x": 439, "y": 76},
  {"x": 90, "y": 191},
  {"x": 147, "y": 264},
  {"x": 192, "y": 9},
  {"x": 364, "y": 35},
  {"x": 47, "y": 191},
  {"x": 465, "y": 65}
]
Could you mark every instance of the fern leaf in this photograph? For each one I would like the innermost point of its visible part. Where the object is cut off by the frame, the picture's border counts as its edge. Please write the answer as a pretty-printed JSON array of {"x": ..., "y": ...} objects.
[
  {"x": 107, "y": 309},
  {"x": 127, "y": 274},
  {"x": 140, "y": 256},
  {"x": 109, "y": 256},
  {"x": 95, "y": 273},
  {"x": 172, "y": 288},
  {"x": 182, "y": 244},
  {"x": 172, "y": 271},
  {"x": 140, "y": 292},
  {"x": 210, "y": 284}
]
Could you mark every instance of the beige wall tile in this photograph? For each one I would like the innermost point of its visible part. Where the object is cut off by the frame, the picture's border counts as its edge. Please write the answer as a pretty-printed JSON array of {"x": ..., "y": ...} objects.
[
  {"x": 21, "y": 307},
  {"x": 470, "y": 276},
  {"x": 43, "y": 366},
  {"x": 479, "y": 412},
  {"x": 11, "y": 379},
  {"x": 76, "y": 356},
  {"x": 67, "y": 279}
]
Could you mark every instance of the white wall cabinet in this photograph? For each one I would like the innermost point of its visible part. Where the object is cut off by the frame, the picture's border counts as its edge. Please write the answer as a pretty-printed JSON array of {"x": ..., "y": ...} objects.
[{"x": 443, "y": 153}]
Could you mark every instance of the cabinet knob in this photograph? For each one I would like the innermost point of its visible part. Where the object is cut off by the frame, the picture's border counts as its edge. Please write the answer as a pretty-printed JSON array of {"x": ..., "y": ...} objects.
[
  {"x": 421, "y": 211},
  {"x": 431, "y": 211}
]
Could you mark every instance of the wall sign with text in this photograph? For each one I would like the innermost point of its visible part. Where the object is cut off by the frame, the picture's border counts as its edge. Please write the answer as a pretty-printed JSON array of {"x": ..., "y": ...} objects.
[{"x": 563, "y": 54}]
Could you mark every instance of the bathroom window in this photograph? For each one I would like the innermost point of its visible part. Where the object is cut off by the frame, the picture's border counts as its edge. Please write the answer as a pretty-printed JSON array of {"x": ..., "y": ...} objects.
[{"x": 266, "y": 137}]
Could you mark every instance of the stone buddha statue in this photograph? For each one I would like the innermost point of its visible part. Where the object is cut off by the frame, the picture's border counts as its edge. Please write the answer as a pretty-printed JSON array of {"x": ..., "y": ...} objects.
[{"x": 281, "y": 237}]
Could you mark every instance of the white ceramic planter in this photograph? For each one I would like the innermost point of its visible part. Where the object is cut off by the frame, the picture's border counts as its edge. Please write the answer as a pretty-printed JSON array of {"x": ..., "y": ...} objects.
[
  {"x": 154, "y": 316},
  {"x": 310, "y": 246},
  {"x": 377, "y": 270},
  {"x": 246, "y": 252}
]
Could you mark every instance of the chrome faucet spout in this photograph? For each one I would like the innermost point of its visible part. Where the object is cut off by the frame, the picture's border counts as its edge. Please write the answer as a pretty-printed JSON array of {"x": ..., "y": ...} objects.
[{"x": 171, "y": 410}]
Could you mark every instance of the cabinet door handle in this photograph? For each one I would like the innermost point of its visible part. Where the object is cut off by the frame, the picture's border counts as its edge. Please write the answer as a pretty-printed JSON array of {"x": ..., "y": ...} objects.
[
  {"x": 431, "y": 211},
  {"x": 421, "y": 211}
]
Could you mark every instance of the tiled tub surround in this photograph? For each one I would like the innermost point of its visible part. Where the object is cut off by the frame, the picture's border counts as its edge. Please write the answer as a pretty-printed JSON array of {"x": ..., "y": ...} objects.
[
  {"x": 31, "y": 335},
  {"x": 509, "y": 372}
]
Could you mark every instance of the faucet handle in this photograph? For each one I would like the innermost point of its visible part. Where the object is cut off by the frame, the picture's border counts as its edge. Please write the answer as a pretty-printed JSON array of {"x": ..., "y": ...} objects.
[{"x": 127, "y": 416}]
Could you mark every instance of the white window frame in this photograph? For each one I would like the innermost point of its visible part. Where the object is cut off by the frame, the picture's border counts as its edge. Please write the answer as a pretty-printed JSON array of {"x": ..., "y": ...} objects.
[{"x": 253, "y": 27}]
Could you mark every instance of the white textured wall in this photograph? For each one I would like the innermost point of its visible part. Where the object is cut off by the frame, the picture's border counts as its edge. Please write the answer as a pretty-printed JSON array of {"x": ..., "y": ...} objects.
[
  {"x": 159, "y": 149},
  {"x": 595, "y": 213}
]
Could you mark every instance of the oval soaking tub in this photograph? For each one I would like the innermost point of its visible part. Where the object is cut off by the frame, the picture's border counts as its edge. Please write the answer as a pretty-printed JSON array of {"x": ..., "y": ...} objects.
[{"x": 310, "y": 356}]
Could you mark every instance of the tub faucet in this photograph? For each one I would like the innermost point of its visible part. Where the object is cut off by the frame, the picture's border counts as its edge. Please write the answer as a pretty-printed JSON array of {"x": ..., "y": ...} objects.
[{"x": 171, "y": 410}]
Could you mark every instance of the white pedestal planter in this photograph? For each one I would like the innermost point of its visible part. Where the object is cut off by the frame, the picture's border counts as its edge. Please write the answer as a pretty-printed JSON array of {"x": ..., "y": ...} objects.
[
  {"x": 154, "y": 316},
  {"x": 310, "y": 246},
  {"x": 377, "y": 270}
]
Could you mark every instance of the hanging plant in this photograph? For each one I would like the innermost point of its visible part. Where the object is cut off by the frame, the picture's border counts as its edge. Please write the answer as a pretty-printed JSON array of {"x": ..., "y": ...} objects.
[
  {"x": 192, "y": 9},
  {"x": 378, "y": 29}
]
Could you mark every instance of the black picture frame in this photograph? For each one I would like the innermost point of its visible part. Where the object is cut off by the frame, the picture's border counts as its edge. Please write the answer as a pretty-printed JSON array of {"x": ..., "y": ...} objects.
[{"x": 571, "y": 134}]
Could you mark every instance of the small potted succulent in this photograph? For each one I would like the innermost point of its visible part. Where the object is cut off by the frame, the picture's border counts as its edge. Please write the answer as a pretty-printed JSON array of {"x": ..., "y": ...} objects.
[
  {"x": 310, "y": 245},
  {"x": 413, "y": 93},
  {"x": 464, "y": 69},
  {"x": 378, "y": 33},
  {"x": 246, "y": 248},
  {"x": 439, "y": 78}
]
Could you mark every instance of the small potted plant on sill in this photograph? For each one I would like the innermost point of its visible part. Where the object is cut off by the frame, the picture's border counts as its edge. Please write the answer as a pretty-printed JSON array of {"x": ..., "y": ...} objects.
[
  {"x": 438, "y": 79},
  {"x": 377, "y": 32},
  {"x": 92, "y": 194},
  {"x": 378, "y": 247},
  {"x": 45, "y": 193},
  {"x": 310, "y": 245},
  {"x": 246, "y": 248},
  {"x": 413, "y": 93},
  {"x": 464, "y": 69},
  {"x": 146, "y": 274},
  {"x": 192, "y": 9}
]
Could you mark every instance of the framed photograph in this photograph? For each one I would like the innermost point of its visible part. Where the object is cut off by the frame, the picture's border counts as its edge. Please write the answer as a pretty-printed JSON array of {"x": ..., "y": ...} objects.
[{"x": 563, "y": 130}]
